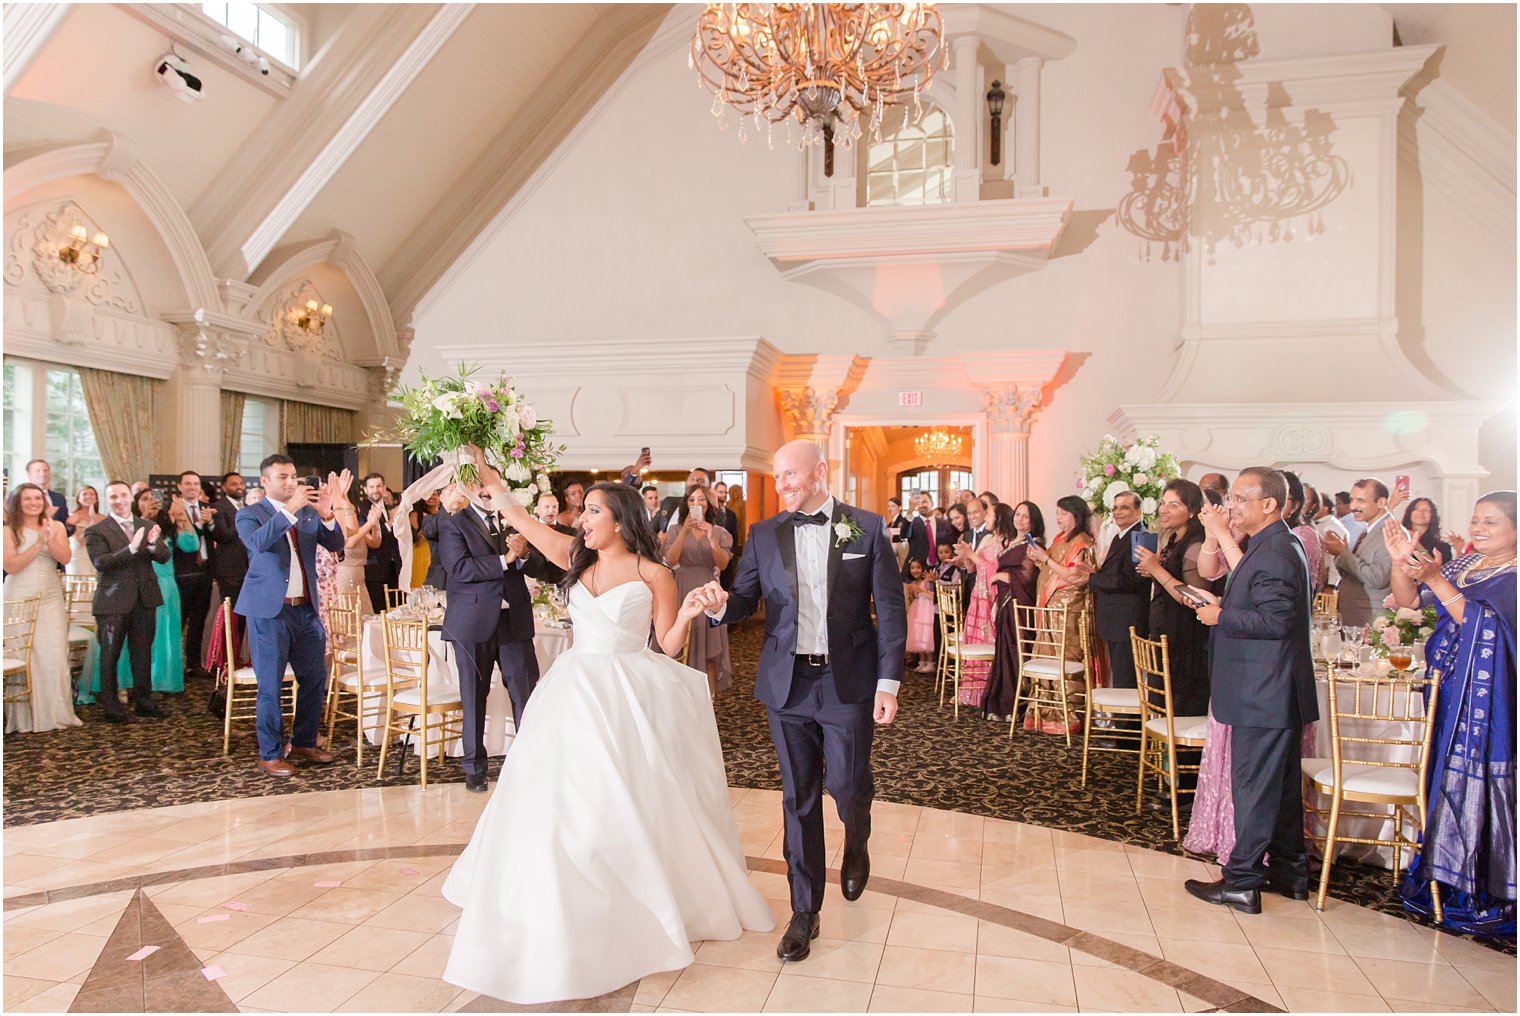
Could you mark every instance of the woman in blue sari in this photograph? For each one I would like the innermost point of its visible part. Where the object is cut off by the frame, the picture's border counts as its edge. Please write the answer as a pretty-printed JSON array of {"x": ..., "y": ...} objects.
[{"x": 1468, "y": 848}]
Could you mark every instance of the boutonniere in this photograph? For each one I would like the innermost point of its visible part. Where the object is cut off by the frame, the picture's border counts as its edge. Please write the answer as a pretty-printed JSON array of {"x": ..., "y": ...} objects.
[{"x": 846, "y": 531}]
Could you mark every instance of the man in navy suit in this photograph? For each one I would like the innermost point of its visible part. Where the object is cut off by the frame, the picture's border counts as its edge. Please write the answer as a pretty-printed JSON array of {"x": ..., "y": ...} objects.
[
  {"x": 279, "y": 600},
  {"x": 489, "y": 618},
  {"x": 826, "y": 671},
  {"x": 1121, "y": 595},
  {"x": 1261, "y": 677}
]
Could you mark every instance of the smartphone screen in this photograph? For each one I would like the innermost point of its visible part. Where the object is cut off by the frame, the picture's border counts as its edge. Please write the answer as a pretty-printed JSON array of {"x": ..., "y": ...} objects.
[{"x": 1401, "y": 483}]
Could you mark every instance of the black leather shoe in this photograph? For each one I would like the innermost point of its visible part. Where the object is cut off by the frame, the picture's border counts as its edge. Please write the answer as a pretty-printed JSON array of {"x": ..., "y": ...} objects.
[
  {"x": 854, "y": 870},
  {"x": 147, "y": 707},
  {"x": 1221, "y": 893},
  {"x": 117, "y": 715},
  {"x": 1299, "y": 895},
  {"x": 475, "y": 783},
  {"x": 798, "y": 940}
]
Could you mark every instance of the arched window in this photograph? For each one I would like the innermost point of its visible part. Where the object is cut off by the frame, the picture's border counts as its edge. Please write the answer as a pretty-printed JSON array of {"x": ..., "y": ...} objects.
[{"x": 911, "y": 165}]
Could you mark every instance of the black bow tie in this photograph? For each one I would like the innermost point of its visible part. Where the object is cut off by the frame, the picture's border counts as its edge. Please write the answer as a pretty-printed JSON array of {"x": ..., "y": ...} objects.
[{"x": 815, "y": 519}]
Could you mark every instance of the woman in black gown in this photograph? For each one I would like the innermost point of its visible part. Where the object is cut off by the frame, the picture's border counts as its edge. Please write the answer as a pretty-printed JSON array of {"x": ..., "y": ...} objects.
[
  {"x": 1175, "y": 562},
  {"x": 1014, "y": 583}
]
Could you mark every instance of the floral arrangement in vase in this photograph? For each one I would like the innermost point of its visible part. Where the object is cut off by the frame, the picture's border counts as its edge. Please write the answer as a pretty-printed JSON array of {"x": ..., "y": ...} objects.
[
  {"x": 1401, "y": 628},
  {"x": 440, "y": 416},
  {"x": 1115, "y": 467}
]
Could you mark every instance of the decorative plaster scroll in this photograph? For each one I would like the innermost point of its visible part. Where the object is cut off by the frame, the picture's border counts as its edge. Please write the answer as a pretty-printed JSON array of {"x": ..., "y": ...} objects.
[
  {"x": 810, "y": 412},
  {"x": 1010, "y": 408},
  {"x": 321, "y": 342},
  {"x": 207, "y": 353},
  {"x": 37, "y": 235}
]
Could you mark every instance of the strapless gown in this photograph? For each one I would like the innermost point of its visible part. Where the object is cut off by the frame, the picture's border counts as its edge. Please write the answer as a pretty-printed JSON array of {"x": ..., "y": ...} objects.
[{"x": 608, "y": 845}]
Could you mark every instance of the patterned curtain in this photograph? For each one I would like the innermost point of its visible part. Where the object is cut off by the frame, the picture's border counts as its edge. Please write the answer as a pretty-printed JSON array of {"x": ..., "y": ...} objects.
[
  {"x": 307, "y": 423},
  {"x": 232, "y": 427},
  {"x": 122, "y": 410}
]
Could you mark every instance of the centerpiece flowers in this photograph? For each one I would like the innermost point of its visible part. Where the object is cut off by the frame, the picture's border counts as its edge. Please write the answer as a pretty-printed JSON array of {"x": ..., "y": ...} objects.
[
  {"x": 1401, "y": 628},
  {"x": 1115, "y": 467},
  {"x": 441, "y": 416}
]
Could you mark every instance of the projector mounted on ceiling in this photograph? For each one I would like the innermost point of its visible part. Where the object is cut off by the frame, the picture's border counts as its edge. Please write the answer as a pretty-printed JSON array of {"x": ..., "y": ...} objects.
[{"x": 176, "y": 76}]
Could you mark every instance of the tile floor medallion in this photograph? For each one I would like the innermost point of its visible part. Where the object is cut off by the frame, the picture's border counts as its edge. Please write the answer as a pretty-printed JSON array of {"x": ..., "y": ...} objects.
[{"x": 331, "y": 902}]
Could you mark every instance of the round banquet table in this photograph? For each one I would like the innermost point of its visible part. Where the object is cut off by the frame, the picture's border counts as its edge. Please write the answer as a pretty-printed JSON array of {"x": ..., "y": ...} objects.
[
  {"x": 549, "y": 640},
  {"x": 1367, "y": 828}
]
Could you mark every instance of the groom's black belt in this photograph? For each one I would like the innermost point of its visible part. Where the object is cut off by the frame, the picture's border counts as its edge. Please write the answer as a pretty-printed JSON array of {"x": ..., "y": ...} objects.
[{"x": 814, "y": 659}]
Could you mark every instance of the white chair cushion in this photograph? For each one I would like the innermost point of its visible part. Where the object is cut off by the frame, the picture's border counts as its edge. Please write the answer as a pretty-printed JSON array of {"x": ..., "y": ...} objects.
[
  {"x": 436, "y": 697},
  {"x": 1116, "y": 698},
  {"x": 1191, "y": 728},
  {"x": 1045, "y": 666},
  {"x": 351, "y": 680},
  {"x": 976, "y": 652},
  {"x": 1365, "y": 779},
  {"x": 245, "y": 675},
  {"x": 11, "y": 663}
]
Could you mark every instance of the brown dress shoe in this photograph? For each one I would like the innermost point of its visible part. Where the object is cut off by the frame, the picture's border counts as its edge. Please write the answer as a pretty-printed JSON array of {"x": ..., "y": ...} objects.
[
  {"x": 316, "y": 755},
  {"x": 277, "y": 767}
]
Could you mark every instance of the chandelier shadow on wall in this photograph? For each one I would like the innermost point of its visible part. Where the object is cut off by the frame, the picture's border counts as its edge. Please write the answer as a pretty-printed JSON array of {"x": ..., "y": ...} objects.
[
  {"x": 832, "y": 69},
  {"x": 1227, "y": 178}
]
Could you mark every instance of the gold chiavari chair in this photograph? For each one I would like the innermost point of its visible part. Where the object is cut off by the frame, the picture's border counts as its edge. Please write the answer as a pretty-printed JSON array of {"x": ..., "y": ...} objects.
[
  {"x": 1044, "y": 671},
  {"x": 1107, "y": 703},
  {"x": 240, "y": 685},
  {"x": 953, "y": 653},
  {"x": 348, "y": 686},
  {"x": 1391, "y": 712},
  {"x": 408, "y": 694},
  {"x": 79, "y": 595},
  {"x": 1327, "y": 602},
  {"x": 394, "y": 598},
  {"x": 20, "y": 628},
  {"x": 1162, "y": 731}
]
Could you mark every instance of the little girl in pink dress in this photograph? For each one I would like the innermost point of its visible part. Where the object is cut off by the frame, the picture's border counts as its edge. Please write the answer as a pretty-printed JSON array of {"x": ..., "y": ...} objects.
[{"x": 921, "y": 615}]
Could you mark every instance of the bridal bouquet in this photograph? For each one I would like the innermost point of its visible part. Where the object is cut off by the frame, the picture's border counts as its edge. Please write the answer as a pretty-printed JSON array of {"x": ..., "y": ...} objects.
[
  {"x": 440, "y": 416},
  {"x": 1114, "y": 467}
]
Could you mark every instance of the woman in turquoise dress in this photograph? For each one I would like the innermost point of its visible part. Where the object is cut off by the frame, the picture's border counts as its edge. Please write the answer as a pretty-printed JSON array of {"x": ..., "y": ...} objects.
[
  {"x": 1468, "y": 850},
  {"x": 168, "y": 665}
]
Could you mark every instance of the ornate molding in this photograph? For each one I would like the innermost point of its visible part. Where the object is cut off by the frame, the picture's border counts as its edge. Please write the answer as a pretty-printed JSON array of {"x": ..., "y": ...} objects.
[
  {"x": 37, "y": 235},
  {"x": 1031, "y": 226},
  {"x": 280, "y": 318},
  {"x": 207, "y": 353},
  {"x": 67, "y": 330},
  {"x": 1011, "y": 408},
  {"x": 810, "y": 412}
]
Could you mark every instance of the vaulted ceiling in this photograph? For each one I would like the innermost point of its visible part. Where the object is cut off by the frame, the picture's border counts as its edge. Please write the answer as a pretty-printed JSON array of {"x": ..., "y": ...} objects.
[{"x": 408, "y": 127}]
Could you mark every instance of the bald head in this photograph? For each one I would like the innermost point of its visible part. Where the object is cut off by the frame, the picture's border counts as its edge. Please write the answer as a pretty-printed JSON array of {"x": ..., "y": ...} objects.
[{"x": 802, "y": 475}]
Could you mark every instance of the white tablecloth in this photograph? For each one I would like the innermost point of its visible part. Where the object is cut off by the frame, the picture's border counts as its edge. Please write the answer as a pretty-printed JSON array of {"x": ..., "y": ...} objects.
[
  {"x": 1362, "y": 827},
  {"x": 443, "y": 674}
]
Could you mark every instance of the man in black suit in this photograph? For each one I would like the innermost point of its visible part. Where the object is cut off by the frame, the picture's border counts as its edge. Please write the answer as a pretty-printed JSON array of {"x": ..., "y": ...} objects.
[
  {"x": 127, "y": 598},
  {"x": 1121, "y": 595},
  {"x": 489, "y": 618},
  {"x": 923, "y": 535},
  {"x": 40, "y": 472},
  {"x": 229, "y": 562},
  {"x": 1262, "y": 686},
  {"x": 382, "y": 567},
  {"x": 193, "y": 568}
]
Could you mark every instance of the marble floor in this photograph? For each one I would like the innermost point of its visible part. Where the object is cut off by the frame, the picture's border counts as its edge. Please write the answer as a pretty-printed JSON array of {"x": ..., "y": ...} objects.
[{"x": 330, "y": 902}]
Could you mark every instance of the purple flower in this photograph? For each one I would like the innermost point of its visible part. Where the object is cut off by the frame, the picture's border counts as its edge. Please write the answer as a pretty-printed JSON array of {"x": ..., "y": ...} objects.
[
  {"x": 517, "y": 453},
  {"x": 1108, "y": 470},
  {"x": 493, "y": 405}
]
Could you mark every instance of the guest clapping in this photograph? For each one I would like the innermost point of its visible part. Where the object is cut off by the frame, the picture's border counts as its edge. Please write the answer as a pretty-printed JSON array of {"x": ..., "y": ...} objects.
[
  {"x": 36, "y": 543},
  {"x": 1366, "y": 571}
]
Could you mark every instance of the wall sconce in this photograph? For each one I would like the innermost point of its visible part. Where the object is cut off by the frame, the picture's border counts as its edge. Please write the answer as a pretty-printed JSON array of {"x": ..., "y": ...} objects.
[
  {"x": 995, "y": 97},
  {"x": 82, "y": 253},
  {"x": 314, "y": 317}
]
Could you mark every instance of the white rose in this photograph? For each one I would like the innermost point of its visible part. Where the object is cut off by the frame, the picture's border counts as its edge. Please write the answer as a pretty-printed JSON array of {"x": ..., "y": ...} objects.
[
  {"x": 527, "y": 416},
  {"x": 1148, "y": 506},
  {"x": 1406, "y": 614},
  {"x": 1113, "y": 490},
  {"x": 448, "y": 404},
  {"x": 543, "y": 481},
  {"x": 1141, "y": 457},
  {"x": 516, "y": 472},
  {"x": 522, "y": 497},
  {"x": 1140, "y": 479}
]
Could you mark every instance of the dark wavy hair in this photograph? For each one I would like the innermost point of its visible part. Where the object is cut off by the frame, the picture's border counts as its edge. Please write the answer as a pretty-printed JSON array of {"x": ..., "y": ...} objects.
[
  {"x": 1432, "y": 534},
  {"x": 964, "y": 526},
  {"x": 1002, "y": 523},
  {"x": 1079, "y": 510},
  {"x": 684, "y": 509},
  {"x": 1036, "y": 521},
  {"x": 13, "y": 517},
  {"x": 1191, "y": 495},
  {"x": 627, "y": 508},
  {"x": 1295, "y": 518}
]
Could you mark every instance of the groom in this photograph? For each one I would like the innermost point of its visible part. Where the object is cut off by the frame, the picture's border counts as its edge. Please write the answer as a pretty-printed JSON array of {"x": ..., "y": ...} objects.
[{"x": 826, "y": 671}]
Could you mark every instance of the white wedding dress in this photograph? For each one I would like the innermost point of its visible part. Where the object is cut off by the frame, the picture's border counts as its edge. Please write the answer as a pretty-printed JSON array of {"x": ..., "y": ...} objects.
[{"x": 608, "y": 845}]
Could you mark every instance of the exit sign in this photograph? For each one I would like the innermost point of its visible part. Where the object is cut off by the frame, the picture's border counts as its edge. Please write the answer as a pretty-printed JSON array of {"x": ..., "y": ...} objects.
[{"x": 910, "y": 398}]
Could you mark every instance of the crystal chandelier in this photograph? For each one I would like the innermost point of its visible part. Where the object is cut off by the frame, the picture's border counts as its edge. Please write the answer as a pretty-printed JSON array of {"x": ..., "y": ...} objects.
[
  {"x": 938, "y": 445},
  {"x": 826, "y": 66}
]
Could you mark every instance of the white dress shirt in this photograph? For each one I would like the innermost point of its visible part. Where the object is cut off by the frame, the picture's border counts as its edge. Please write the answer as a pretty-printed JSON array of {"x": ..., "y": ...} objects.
[
  {"x": 505, "y": 564},
  {"x": 813, "y": 583},
  {"x": 293, "y": 586}
]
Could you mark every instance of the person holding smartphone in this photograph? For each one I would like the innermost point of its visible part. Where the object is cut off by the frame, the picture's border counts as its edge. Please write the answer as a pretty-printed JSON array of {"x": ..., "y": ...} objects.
[{"x": 1174, "y": 600}]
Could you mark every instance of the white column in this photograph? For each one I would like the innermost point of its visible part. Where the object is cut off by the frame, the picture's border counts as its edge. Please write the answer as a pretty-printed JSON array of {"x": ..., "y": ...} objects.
[
  {"x": 205, "y": 356},
  {"x": 1026, "y": 128},
  {"x": 967, "y": 117},
  {"x": 1010, "y": 411}
]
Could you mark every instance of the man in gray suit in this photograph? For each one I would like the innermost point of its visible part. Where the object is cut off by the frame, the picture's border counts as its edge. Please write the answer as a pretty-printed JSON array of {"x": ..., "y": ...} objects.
[{"x": 1366, "y": 571}]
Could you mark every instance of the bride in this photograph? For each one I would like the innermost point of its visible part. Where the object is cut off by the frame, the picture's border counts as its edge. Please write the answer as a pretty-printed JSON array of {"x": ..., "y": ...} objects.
[{"x": 608, "y": 845}]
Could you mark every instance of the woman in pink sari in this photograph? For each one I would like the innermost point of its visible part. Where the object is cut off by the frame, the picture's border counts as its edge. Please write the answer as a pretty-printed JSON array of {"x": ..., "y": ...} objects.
[
  {"x": 979, "y": 630},
  {"x": 1063, "y": 584}
]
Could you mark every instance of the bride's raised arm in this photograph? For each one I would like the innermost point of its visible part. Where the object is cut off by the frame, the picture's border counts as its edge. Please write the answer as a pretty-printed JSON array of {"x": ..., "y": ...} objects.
[{"x": 553, "y": 544}]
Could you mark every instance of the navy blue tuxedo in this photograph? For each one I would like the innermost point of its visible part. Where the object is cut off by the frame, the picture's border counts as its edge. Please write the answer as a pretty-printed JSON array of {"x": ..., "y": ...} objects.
[
  {"x": 821, "y": 711},
  {"x": 485, "y": 633},
  {"x": 1261, "y": 677},
  {"x": 280, "y": 632}
]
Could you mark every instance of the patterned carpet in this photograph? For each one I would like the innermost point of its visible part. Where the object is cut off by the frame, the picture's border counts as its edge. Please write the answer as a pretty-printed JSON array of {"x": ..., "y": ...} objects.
[{"x": 925, "y": 758}]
